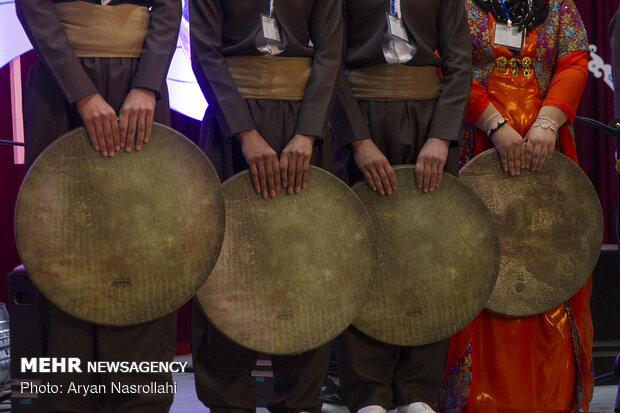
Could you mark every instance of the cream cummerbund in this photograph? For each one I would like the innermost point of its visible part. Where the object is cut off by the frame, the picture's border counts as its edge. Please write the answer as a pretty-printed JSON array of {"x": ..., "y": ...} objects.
[
  {"x": 270, "y": 77},
  {"x": 386, "y": 82},
  {"x": 94, "y": 30}
]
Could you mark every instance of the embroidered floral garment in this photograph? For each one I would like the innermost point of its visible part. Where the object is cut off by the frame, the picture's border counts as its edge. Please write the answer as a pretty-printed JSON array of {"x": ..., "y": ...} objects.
[{"x": 538, "y": 364}]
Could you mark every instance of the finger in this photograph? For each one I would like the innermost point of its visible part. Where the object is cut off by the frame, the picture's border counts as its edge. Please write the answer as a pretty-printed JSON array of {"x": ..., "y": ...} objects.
[
  {"x": 292, "y": 164},
  {"x": 517, "y": 158},
  {"x": 108, "y": 129},
  {"x": 140, "y": 129},
  {"x": 100, "y": 136},
  {"x": 511, "y": 161},
  {"x": 116, "y": 133},
  {"x": 108, "y": 135},
  {"x": 284, "y": 170},
  {"x": 385, "y": 181},
  {"x": 528, "y": 154},
  {"x": 254, "y": 175},
  {"x": 536, "y": 151},
  {"x": 426, "y": 180},
  {"x": 543, "y": 157},
  {"x": 306, "y": 168},
  {"x": 269, "y": 172},
  {"x": 299, "y": 173},
  {"x": 275, "y": 165},
  {"x": 90, "y": 128},
  {"x": 504, "y": 160},
  {"x": 377, "y": 180},
  {"x": 262, "y": 177},
  {"x": 419, "y": 173},
  {"x": 131, "y": 130},
  {"x": 432, "y": 183},
  {"x": 369, "y": 180},
  {"x": 124, "y": 125},
  {"x": 391, "y": 176},
  {"x": 550, "y": 150},
  {"x": 439, "y": 176},
  {"x": 149, "y": 127},
  {"x": 522, "y": 154}
]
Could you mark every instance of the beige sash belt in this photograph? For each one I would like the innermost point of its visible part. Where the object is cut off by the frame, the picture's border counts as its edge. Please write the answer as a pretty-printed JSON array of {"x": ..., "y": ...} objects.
[
  {"x": 270, "y": 77},
  {"x": 94, "y": 30},
  {"x": 387, "y": 82}
]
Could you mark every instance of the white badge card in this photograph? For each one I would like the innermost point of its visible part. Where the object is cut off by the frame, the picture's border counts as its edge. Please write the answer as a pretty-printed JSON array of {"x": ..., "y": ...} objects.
[
  {"x": 509, "y": 37},
  {"x": 270, "y": 28},
  {"x": 397, "y": 27}
]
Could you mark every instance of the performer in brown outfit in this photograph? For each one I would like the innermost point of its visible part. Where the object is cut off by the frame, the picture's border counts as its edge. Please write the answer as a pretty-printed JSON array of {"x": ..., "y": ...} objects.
[
  {"x": 395, "y": 108},
  {"x": 268, "y": 72},
  {"x": 97, "y": 61}
]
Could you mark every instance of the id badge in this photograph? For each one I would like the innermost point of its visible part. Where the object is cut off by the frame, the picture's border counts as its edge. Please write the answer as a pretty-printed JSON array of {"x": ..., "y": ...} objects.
[
  {"x": 270, "y": 28},
  {"x": 509, "y": 37},
  {"x": 397, "y": 27}
]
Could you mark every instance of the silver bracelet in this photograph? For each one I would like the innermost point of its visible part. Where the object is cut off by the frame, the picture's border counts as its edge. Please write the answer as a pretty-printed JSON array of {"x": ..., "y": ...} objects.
[{"x": 546, "y": 123}]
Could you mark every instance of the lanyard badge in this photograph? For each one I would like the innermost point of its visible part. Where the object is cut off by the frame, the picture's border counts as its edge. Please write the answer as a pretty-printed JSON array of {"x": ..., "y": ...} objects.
[
  {"x": 270, "y": 28},
  {"x": 507, "y": 35},
  {"x": 395, "y": 22},
  {"x": 398, "y": 47},
  {"x": 271, "y": 31},
  {"x": 397, "y": 27},
  {"x": 270, "y": 40}
]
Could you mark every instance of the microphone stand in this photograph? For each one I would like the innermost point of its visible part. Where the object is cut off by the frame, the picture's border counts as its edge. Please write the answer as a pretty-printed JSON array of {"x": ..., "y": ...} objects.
[
  {"x": 11, "y": 143},
  {"x": 613, "y": 130}
]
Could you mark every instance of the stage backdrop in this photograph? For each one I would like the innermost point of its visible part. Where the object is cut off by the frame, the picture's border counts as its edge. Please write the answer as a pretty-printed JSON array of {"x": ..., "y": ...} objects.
[{"x": 596, "y": 151}]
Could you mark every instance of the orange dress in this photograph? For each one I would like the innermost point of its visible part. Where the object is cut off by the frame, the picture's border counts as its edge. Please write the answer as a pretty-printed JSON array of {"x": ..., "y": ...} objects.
[{"x": 542, "y": 363}]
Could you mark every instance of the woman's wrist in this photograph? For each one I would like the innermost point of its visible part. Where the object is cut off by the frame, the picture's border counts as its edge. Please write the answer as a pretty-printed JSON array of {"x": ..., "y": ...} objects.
[
  {"x": 546, "y": 123},
  {"x": 493, "y": 123},
  {"x": 497, "y": 127}
]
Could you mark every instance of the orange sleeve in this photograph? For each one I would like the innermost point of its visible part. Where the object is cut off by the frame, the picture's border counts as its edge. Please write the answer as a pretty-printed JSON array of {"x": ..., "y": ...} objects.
[
  {"x": 477, "y": 102},
  {"x": 568, "y": 82}
]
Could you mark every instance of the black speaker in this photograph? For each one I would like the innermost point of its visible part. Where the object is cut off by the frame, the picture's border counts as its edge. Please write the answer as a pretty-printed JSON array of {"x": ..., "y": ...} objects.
[{"x": 25, "y": 336}]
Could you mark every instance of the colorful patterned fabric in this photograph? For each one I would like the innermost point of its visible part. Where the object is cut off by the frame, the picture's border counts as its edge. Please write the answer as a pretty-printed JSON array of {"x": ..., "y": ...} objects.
[{"x": 539, "y": 364}]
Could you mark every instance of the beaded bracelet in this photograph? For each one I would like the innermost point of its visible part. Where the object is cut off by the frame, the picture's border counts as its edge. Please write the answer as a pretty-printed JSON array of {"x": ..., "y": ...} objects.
[{"x": 495, "y": 129}]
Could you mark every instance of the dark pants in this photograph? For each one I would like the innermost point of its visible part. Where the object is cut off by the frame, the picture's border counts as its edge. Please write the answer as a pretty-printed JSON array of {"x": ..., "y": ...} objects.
[
  {"x": 67, "y": 336},
  {"x": 375, "y": 373},
  {"x": 223, "y": 373},
  {"x": 48, "y": 116},
  {"x": 372, "y": 372},
  {"x": 223, "y": 368}
]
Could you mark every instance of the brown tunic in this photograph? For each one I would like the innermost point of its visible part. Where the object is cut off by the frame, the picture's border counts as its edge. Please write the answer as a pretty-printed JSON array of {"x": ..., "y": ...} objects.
[
  {"x": 371, "y": 372},
  {"x": 56, "y": 81},
  {"x": 225, "y": 28},
  {"x": 230, "y": 28},
  {"x": 77, "y": 77},
  {"x": 46, "y": 34},
  {"x": 436, "y": 26}
]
